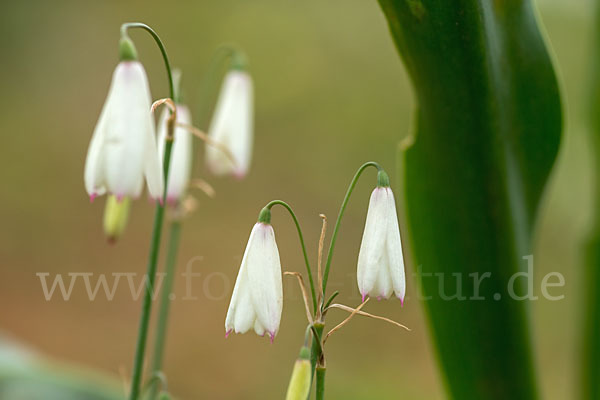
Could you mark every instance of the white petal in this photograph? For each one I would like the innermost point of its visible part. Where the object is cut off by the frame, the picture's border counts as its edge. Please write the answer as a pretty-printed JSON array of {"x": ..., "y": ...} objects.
[
  {"x": 232, "y": 125},
  {"x": 129, "y": 128},
  {"x": 394, "y": 249},
  {"x": 257, "y": 299},
  {"x": 264, "y": 278},
  {"x": 373, "y": 243},
  {"x": 181, "y": 156},
  {"x": 95, "y": 184},
  {"x": 241, "y": 313}
]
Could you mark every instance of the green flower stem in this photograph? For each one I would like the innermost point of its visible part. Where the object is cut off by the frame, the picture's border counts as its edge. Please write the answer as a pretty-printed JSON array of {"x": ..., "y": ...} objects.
[
  {"x": 138, "y": 364},
  {"x": 339, "y": 218},
  {"x": 223, "y": 55},
  {"x": 316, "y": 350},
  {"x": 161, "y": 46},
  {"x": 308, "y": 270},
  {"x": 320, "y": 390},
  {"x": 165, "y": 303}
]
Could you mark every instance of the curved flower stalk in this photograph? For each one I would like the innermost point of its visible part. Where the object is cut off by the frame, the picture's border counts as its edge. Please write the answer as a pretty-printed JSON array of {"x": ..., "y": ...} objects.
[
  {"x": 181, "y": 164},
  {"x": 232, "y": 126},
  {"x": 380, "y": 262},
  {"x": 123, "y": 152},
  {"x": 257, "y": 298}
]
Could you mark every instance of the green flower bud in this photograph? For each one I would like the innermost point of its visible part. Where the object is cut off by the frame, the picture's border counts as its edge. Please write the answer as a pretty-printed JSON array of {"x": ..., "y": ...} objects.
[
  {"x": 299, "y": 386},
  {"x": 116, "y": 214}
]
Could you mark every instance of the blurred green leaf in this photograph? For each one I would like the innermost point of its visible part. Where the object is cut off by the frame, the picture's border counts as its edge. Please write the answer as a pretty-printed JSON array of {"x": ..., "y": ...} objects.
[
  {"x": 26, "y": 376},
  {"x": 590, "y": 372},
  {"x": 488, "y": 129}
]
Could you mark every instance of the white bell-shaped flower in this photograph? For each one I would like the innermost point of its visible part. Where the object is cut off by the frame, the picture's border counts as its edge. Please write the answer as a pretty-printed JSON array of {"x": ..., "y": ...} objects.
[
  {"x": 180, "y": 167},
  {"x": 123, "y": 148},
  {"x": 257, "y": 298},
  {"x": 232, "y": 126},
  {"x": 380, "y": 261}
]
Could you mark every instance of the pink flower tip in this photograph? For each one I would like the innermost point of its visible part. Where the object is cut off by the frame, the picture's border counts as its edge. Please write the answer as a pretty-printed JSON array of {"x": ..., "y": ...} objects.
[
  {"x": 401, "y": 301},
  {"x": 364, "y": 295},
  {"x": 171, "y": 200},
  {"x": 239, "y": 174},
  {"x": 92, "y": 197},
  {"x": 272, "y": 336},
  {"x": 227, "y": 333}
]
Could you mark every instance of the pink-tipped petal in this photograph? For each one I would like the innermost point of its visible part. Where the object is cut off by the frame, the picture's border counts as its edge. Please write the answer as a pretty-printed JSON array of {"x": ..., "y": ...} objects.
[
  {"x": 92, "y": 197},
  {"x": 239, "y": 174},
  {"x": 364, "y": 296},
  {"x": 272, "y": 335},
  {"x": 379, "y": 298},
  {"x": 227, "y": 333},
  {"x": 172, "y": 201},
  {"x": 401, "y": 301},
  {"x": 120, "y": 197}
]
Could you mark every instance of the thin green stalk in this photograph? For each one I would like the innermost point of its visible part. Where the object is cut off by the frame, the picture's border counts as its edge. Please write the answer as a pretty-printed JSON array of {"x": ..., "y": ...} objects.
[
  {"x": 320, "y": 390},
  {"x": 339, "y": 218},
  {"x": 165, "y": 303},
  {"x": 308, "y": 270},
  {"x": 316, "y": 351},
  {"x": 138, "y": 364},
  {"x": 163, "y": 50},
  {"x": 151, "y": 275}
]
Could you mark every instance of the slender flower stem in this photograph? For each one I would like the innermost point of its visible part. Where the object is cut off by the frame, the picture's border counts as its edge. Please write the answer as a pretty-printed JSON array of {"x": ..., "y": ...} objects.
[
  {"x": 308, "y": 270},
  {"x": 161, "y": 46},
  {"x": 339, "y": 218},
  {"x": 151, "y": 275},
  {"x": 316, "y": 349},
  {"x": 138, "y": 364},
  {"x": 165, "y": 303},
  {"x": 320, "y": 390}
]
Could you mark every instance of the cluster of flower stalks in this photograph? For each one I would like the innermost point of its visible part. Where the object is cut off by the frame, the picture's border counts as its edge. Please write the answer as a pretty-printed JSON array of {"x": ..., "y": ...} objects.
[
  {"x": 257, "y": 299},
  {"x": 126, "y": 150}
]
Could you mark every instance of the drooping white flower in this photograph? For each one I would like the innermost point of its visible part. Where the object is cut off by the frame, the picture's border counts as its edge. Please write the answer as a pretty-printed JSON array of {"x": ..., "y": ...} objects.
[
  {"x": 123, "y": 150},
  {"x": 257, "y": 298},
  {"x": 380, "y": 262},
  {"x": 232, "y": 126},
  {"x": 180, "y": 167}
]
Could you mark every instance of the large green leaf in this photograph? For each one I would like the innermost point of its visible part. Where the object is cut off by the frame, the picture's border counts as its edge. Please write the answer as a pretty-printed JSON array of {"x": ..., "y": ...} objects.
[
  {"x": 488, "y": 128},
  {"x": 590, "y": 373}
]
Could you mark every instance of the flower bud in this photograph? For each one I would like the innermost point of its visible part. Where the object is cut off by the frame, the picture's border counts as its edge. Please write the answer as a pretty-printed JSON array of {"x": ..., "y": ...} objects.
[
  {"x": 299, "y": 386},
  {"x": 116, "y": 214}
]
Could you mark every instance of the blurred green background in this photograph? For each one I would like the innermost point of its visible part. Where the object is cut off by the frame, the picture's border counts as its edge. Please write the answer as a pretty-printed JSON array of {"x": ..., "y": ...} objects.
[{"x": 331, "y": 93}]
